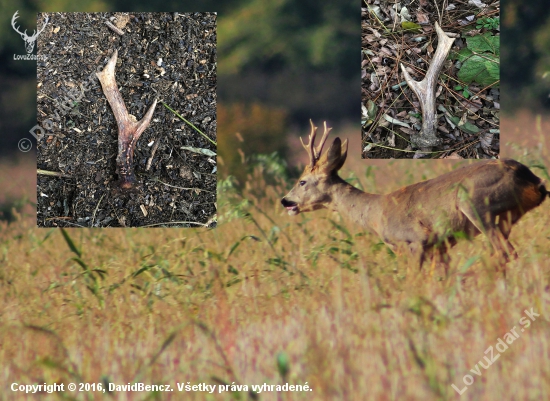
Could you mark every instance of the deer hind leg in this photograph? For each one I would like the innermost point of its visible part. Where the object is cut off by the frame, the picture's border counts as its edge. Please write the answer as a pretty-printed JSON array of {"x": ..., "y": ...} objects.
[
  {"x": 419, "y": 254},
  {"x": 436, "y": 255},
  {"x": 440, "y": 257},
  {"x": 443, "y": 258}
]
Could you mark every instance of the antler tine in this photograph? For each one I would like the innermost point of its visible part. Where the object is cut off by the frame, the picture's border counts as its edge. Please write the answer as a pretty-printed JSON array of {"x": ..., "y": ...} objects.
[
  {"x": 323, "y": 140},
  {"x": 309, "y": 147}
]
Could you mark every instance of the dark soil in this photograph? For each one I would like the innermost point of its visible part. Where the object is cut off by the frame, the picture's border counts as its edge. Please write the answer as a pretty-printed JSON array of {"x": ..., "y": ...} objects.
[
  {"x": 179, "y": 188},
  {"x": 387, "y": 99}
]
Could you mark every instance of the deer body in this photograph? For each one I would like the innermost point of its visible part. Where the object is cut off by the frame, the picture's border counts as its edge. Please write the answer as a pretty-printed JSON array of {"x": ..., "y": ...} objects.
[{"x": 488, "y": 196}]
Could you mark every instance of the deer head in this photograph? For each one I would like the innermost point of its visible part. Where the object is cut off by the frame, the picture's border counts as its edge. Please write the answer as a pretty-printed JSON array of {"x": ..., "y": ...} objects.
[
  {"x": 313, "y": 189},
  {"x": 29, "y": 40}
]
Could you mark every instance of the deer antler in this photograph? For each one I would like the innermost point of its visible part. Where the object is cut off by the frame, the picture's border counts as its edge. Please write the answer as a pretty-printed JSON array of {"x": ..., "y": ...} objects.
[
  {"x": 315, "y": 154},
  {"x": 129, "y": 130},
  {"x": 425, "y": 91}
]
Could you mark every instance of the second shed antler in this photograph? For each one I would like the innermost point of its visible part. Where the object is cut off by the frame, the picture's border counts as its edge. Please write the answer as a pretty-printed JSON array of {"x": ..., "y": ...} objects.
[
  {"x": 129, "y": 130},
  {"x": 313, "y": 153},
  {"x": 425, "y": 91}
]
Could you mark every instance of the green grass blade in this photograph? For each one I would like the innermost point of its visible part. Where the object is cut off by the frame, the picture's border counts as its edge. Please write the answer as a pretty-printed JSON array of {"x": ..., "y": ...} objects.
[
  {"x": 70, "y": 243},
  {"x": 195, "y": 128}
]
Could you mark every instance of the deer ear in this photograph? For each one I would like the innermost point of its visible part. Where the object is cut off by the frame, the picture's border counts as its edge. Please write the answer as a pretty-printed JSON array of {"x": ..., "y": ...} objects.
[{"x": 336, "y": 156}]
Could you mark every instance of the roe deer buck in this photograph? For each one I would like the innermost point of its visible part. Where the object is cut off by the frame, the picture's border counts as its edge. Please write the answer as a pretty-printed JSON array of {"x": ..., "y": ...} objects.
[{"x": 488, "y": 196}]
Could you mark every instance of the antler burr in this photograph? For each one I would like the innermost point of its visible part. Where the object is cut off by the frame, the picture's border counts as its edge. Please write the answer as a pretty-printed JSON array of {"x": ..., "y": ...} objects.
[
  {"x": 129, "y": 130},
  {"x": 425, "y": 91}
]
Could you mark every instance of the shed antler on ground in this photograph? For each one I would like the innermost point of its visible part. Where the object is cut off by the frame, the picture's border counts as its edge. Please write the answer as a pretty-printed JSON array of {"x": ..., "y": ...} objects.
[
  {"x": 129, "y": 130},
  {"x": 425, "y": 91}
]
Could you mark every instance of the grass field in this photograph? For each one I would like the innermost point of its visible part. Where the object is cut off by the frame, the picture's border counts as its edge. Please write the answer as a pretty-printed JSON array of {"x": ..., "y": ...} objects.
[{"x": 267, "y": 298}]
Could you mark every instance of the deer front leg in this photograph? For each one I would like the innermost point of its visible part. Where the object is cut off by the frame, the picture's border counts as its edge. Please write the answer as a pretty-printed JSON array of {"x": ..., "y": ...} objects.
[
  {"x": 436, "y": 255},
  {"x": 503, "y": 250}
]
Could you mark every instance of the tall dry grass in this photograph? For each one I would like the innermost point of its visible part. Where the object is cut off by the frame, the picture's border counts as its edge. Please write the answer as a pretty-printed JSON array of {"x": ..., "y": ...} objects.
[{"x": 162, "y": 306}]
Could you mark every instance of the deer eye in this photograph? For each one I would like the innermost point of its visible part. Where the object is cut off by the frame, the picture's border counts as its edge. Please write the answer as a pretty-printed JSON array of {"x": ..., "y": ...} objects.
[{"x": 302, "y": 183}]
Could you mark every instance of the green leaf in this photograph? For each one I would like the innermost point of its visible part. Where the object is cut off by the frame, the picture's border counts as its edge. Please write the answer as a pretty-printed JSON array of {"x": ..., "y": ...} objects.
[
  {"x": 480, "y": 60},
  {"x": 484, "y": 70},
  {"x": 467, "y": 127},
  {"x": 493, "y": 69},
  {"x": 484, "y": 43},
  {"x": 463, "y": 54},
  {"x": 372, "y": 109},
  {"x": 489, "y": 23},
  {"x": 410, "y": 26}
]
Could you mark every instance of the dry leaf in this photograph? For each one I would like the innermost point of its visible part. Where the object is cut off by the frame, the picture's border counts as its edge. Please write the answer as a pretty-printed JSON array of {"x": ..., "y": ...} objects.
[
  {"x": 477, "y": 3},
  {"x": 486, "y": 140},
  {"x": 203, "y": 151},
  {"x": 422, "y": 18}
]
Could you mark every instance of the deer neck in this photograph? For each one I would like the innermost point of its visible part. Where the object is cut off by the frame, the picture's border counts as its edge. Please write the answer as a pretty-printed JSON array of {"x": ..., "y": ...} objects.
[{"x": 356, "y": 205}]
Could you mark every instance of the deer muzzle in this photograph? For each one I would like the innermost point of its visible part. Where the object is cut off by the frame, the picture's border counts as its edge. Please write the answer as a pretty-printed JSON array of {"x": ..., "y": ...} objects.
[{"x": 290, "y": 206}]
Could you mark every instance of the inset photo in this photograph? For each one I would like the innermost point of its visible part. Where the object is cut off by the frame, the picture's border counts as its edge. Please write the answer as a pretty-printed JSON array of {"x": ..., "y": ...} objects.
[
  {"x": 126, "y": 120},
  {"x": 430, "y": 79}
]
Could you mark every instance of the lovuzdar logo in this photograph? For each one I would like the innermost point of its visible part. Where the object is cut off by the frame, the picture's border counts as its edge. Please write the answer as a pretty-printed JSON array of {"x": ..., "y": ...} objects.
[{"x": 29, "y": 40}]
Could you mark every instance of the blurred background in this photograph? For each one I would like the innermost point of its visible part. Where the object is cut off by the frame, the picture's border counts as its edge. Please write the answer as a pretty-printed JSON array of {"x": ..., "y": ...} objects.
[
  {"x": 525, "y": 55},
  {"x": 525, "y": 81}
]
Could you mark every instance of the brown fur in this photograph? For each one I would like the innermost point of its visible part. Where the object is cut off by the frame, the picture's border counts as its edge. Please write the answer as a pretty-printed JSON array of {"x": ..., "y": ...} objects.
[{"x": 485, "y": 197}]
